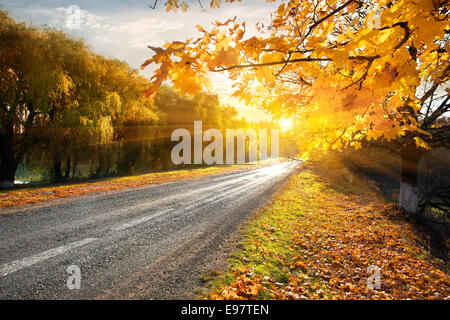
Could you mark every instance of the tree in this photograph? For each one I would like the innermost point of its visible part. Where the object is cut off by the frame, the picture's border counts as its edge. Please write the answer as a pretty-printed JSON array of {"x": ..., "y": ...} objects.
[
  {"x": 30, "y": 96},
  {"x": 58, "y": 96},
  {"x": 351, "y": 71}
]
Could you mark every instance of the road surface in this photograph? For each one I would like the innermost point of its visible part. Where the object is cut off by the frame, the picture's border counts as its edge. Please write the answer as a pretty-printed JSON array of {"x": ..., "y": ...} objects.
[{"x": 147, "y": 243}]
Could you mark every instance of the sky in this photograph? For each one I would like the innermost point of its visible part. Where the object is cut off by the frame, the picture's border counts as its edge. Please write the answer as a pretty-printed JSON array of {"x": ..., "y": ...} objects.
[{"x": 123, "y": 29}]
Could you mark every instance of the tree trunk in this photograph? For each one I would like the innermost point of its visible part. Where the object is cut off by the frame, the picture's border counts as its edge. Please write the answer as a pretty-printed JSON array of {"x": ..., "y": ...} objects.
[
  {"x": 409, "y": 197},
  {"x": 57, "y": 173},
  {"x": 8, "y": 167},
  {"x": 74, "y": 167},
  {"x": 67, "y": 173},
  {"x": 8, "y": 161}
]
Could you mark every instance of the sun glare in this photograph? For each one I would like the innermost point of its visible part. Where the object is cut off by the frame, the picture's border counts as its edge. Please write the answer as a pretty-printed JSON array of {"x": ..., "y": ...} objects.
[{"x": 286, "y": 124}]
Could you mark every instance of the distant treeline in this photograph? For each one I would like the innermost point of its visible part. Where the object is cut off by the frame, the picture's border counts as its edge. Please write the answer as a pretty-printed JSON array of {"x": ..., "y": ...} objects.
[{"x": 66, "y": 112}]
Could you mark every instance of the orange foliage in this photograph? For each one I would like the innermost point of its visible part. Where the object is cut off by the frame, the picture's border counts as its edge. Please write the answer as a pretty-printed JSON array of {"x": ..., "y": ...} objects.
[
  {"x": 350, "y": 70},
  {"x": 332, "y": 237}
]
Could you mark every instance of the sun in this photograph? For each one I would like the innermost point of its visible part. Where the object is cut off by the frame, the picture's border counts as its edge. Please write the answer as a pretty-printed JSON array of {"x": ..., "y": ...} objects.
[{"x": 286, "y": 124}]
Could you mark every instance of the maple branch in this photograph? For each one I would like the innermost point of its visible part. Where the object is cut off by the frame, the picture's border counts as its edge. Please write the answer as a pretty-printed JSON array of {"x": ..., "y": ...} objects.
[
  {"x": 434, "y": 87},
  {"x": 443, "y": 108},
  {"x": 337, "y": 138},
  {"x": 404, "y": 25},
  {"x": 369, "y": 59},
  {"x": 286, "y": 52},
  {"x": 284, "y": 66},
  {"x": 295, "y": 20},
  {"x": 301, "y": 80},
  {"x": 363, "y": 77},
  {"x": 330, "y": 14},
  {"x": 201, "y": 6},
  {"x": 429, "y": 93},
  {"x": 154, "y": 5},
  {"x": 273, "y": 63}
]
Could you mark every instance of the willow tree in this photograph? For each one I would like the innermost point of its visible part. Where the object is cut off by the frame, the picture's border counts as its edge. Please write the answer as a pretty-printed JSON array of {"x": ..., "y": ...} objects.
[
  {"x": 45, "y": 75},
  {"x": 56, "y": 95},
  {"x": 34, "y": 87},
  {"x": 350, "y": 71}
]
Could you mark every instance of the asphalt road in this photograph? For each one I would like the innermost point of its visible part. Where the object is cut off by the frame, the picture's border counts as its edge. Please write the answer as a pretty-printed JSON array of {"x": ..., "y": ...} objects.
[{"x": 147, "y": 243}]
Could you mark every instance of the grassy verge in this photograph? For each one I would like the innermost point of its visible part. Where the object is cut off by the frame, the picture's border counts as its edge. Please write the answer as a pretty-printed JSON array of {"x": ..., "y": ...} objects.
[
  {"x": 316, "y": 240},
  {"x": 21, "y": 196}
]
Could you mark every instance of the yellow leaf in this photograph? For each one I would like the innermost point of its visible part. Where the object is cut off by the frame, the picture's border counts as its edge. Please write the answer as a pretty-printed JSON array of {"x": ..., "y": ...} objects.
[{"x": 421, "y": 144}]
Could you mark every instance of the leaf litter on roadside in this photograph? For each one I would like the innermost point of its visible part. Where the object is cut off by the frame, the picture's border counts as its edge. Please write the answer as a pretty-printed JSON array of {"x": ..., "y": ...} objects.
[{"x": 313, "y": 242}]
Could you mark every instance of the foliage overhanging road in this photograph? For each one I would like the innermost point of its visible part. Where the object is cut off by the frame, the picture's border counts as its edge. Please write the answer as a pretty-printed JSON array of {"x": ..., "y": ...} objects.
[{"x": 150, "y": 243}]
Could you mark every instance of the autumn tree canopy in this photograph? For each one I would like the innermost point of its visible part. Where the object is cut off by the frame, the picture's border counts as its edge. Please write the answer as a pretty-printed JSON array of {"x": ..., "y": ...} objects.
[{"x": 350, "y": 70}]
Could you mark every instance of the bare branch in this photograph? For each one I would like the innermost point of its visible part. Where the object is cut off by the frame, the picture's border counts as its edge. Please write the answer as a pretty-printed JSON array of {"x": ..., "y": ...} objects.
[
  {"x": 273, "y": 63},
  {"x": 329, "y": 15},
  {"x": 443, "y": 108}
]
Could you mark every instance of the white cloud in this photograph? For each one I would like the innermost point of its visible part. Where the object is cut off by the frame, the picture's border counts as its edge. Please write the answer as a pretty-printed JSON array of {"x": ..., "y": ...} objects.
[
  {"x": 86, "y": 18},
  {"x": 138, "y": 34}
]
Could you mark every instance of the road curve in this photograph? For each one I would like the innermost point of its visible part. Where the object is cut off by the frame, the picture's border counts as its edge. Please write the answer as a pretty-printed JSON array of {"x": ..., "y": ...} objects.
[{"x": 146, "y": 243}]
